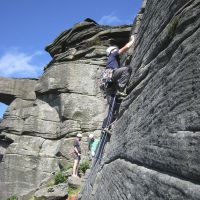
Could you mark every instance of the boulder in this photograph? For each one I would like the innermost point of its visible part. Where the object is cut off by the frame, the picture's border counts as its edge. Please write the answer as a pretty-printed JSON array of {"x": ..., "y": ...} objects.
[
  {"x": 74, "y": 182},
  {"x": 57, "y": 192}
]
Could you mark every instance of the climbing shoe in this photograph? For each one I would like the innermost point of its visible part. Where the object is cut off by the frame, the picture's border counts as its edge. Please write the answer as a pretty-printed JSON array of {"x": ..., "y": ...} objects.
[
  {"x": 108, "y": 131},
  {"x": 121, "y": 94}
]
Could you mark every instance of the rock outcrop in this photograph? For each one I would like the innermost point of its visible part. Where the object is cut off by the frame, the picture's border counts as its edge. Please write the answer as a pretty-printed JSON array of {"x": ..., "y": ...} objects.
[
  {"x": 44, "y": 115},
  {"x": 154, "y": 151},
  {"x": 11, "y": 88}
]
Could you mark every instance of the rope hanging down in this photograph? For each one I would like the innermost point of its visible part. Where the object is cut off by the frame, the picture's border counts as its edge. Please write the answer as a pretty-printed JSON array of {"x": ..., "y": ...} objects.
[{"x": 104, "y": 136}]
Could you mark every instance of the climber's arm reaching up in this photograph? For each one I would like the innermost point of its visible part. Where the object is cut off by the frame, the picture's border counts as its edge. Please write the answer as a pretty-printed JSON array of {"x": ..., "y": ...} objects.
[{"x": 127, "y": 46}]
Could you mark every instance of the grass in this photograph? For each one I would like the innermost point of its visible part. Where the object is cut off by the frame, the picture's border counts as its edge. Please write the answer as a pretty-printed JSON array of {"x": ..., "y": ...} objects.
[
  {"x": 84, "y": 166},
  {"x": 14, "y": 197},
  {"x": 32, "y": 198},
  {"x": 59, "y": 178},
  {"x": 67, "y": 167},
  {"x": 50, "y": 183},
  {"x": 72, "y": 190}
]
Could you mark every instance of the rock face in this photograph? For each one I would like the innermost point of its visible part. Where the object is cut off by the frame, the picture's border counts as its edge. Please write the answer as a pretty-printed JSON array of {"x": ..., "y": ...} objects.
[
  {"x": 154, "y": 152},
  {"x": 44, "y": 116},
  {"x": 57, "y": 192},
  {"x": 11, "y": 89}
]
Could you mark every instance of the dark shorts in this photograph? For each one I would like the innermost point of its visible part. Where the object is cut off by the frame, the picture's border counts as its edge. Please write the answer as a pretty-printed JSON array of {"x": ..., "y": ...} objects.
[{"x": 76, "y": 156}]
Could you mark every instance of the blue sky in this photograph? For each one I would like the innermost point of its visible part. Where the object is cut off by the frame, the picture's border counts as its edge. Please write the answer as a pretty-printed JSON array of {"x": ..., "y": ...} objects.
[{"x": 27, "y": 26}]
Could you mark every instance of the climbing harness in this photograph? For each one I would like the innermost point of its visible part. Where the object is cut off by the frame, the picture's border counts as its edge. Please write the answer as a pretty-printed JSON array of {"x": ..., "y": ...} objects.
[{"x": 105, "y": 80}]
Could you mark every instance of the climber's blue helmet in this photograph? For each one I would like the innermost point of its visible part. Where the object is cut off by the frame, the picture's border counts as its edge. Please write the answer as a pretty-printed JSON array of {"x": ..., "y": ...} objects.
[{"x": 110, "y": 49}]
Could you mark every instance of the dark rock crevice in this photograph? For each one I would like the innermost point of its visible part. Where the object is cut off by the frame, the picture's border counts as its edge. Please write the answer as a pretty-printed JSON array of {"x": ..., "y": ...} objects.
[{"x": 4, "y": 144}]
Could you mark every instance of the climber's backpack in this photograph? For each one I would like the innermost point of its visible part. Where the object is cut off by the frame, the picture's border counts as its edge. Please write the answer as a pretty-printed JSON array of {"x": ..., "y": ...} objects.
[{"x": 105, "y": 79}]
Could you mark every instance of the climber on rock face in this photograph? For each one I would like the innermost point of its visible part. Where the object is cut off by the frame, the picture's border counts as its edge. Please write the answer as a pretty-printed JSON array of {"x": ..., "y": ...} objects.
[
  {"x": 119, "y": 79},
  {"x": 120, "y": 75},
  {"x": 77, "y": 154}
]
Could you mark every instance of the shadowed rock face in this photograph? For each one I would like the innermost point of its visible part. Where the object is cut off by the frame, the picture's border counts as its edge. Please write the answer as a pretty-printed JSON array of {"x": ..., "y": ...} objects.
[
  {"x": 154, "y": 152},
  {"x": 44, "y": 116}
]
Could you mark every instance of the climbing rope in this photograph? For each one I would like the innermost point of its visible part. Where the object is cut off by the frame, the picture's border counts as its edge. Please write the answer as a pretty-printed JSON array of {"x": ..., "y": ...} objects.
[
  {"x": 102, "y": 143},
  {"x": 104, "y": 136}
]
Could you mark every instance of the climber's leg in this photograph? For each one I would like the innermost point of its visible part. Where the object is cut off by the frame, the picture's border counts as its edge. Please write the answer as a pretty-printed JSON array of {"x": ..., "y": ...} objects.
[{"x": 121, "y": 77}]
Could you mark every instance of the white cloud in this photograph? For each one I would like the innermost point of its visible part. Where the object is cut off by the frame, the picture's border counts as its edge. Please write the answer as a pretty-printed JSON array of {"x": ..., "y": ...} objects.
[
  {"x": 109, "y": 19},
  {"x": 112, "y": 19},
  {"x": 14, "y": 63}
]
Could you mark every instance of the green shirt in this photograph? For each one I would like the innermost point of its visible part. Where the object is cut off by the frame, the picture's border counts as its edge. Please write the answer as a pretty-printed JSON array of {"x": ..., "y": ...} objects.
[{"x": 93, "y": 144}]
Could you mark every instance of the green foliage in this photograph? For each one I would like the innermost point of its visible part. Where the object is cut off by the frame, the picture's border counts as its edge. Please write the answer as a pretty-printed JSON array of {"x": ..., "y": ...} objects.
[
  {"x": 73, "y": 190},
  {"x": 50, "y": 183},
  {"x": 14, "y": 197},
  {"x": 67, "y": 167},
  {"x": 59, "y": 178},
  {"x": 84, "y": 166},
  {"x": 172, "y": 26},
  {"x": 33, "y": 198}
]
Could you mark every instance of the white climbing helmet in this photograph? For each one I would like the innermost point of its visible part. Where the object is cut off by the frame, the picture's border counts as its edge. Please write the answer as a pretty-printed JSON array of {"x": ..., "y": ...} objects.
[
  {"x": 110, "y": 49},
  {"x": 79, "y": 135},
  {"x": 91, "y": 136}
]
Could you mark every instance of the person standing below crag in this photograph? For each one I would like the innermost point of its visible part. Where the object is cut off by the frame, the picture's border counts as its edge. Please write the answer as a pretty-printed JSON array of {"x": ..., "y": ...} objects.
[
  {"x": 77, "y": 154},
  {"x": 119, "y": 75},
  {"x": 92, "y": 145}
]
